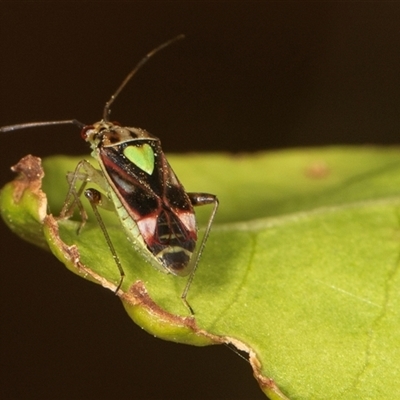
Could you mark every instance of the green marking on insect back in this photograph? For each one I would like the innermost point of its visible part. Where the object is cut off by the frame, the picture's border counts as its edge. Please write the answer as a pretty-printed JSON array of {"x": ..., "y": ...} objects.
[{"x": 142, "y": 156}]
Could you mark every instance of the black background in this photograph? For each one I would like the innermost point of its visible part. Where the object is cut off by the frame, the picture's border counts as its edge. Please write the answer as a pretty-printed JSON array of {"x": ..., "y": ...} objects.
[{"x": 248, "y": 77}]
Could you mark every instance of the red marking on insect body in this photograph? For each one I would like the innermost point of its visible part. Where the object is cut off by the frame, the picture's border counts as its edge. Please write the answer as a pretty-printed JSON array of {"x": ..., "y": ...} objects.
[{"x": 133, "y": 162}]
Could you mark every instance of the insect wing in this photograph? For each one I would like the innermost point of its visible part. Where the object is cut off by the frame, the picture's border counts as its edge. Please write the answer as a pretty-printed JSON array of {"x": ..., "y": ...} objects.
[{"x": 153, "y": 197}]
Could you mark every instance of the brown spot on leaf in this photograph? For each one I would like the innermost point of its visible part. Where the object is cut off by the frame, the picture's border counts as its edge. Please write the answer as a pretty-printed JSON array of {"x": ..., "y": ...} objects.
[{"x": 318, "y": 170}]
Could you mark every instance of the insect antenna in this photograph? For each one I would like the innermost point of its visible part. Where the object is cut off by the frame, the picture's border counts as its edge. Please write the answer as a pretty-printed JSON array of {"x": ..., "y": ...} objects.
[
  {"x": 107, "y": 111},
  {"x": 25, "y": 125}
]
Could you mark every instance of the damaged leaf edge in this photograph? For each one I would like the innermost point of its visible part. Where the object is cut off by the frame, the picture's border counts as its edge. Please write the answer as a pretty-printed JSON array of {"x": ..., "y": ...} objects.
[{"x": 137, "y": 302}]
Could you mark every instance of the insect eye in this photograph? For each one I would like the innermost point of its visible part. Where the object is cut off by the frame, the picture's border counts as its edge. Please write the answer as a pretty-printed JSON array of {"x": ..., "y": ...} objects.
[
  {"x": 116, "y": 123},
  {"x": 85, "y": 130}
]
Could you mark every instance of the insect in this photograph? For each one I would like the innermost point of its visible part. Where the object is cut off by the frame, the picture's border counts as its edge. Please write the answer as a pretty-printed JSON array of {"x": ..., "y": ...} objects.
[{"x": 139, "y": 185}]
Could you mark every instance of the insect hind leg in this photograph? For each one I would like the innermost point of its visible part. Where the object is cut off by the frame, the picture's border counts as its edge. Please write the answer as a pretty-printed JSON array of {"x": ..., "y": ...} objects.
[{"x": 199, "y": 199}]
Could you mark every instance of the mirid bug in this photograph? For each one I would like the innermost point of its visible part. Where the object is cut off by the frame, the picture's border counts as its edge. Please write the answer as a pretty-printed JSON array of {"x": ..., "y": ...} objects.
[{"x": 138, "y": 184}]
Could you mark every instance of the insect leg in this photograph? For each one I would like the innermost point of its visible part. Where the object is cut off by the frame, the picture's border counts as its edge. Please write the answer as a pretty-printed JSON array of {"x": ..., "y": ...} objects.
[
  {"x": 97, "y": 199},
  {"x": 86, "y": 173},
  {"x": 199, "y": 199}
]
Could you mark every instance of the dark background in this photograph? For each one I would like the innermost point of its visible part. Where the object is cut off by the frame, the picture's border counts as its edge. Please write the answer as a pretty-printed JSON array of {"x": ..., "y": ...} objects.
[{"x": 248, "y": 77}]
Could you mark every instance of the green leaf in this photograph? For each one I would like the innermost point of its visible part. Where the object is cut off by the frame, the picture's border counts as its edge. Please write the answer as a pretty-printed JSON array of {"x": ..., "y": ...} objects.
[{"x": 301, "y": 268}]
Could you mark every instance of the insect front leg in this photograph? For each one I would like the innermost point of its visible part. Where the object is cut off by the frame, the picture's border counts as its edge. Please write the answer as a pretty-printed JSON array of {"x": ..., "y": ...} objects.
[
  {"x": 84, "y": 173},
  {"x": 199, "y": 199}
]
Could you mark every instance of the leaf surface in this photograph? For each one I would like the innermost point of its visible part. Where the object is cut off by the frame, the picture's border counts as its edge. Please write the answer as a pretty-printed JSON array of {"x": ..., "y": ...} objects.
[{"x": 301, "y": 268}]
